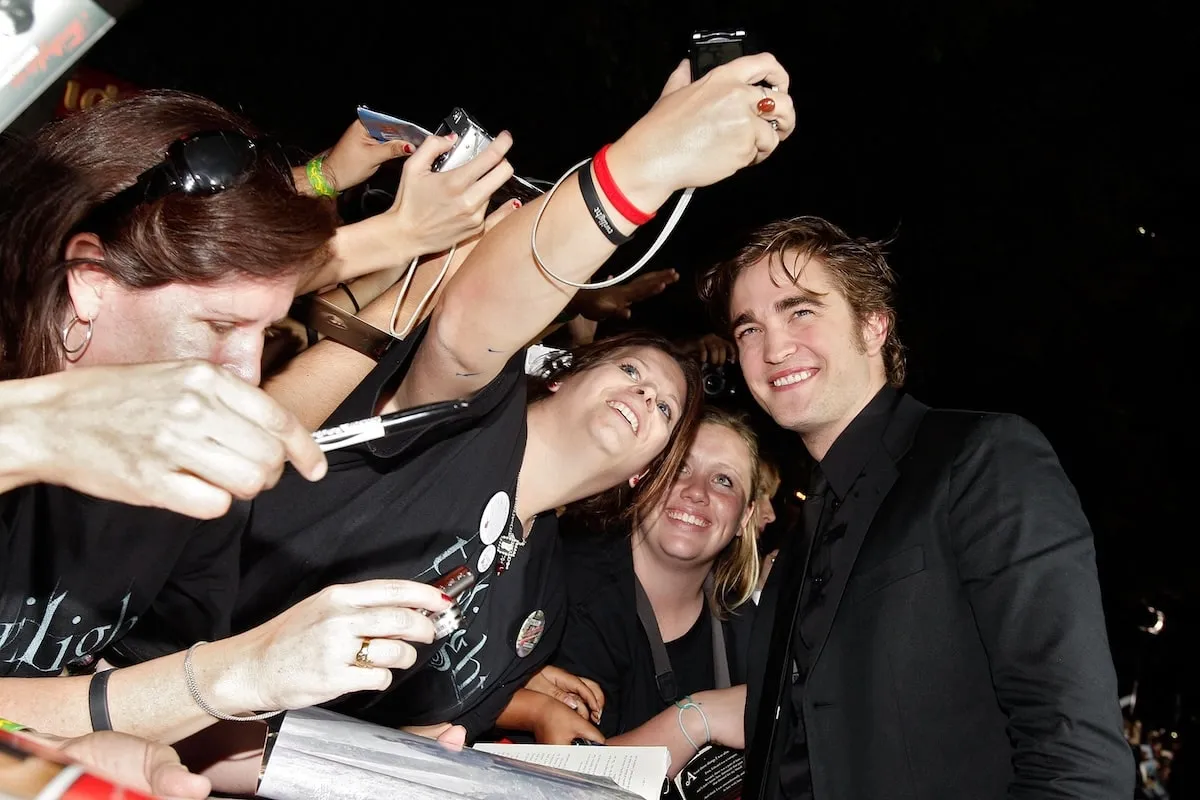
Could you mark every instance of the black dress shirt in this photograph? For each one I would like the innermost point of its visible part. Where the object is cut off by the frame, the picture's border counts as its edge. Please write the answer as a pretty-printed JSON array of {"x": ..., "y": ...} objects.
[{"x": 832, "y": 481}]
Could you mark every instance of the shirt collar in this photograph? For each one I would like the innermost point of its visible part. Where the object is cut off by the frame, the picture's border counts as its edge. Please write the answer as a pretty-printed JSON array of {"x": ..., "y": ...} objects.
[{"x": 851, "y": 451}]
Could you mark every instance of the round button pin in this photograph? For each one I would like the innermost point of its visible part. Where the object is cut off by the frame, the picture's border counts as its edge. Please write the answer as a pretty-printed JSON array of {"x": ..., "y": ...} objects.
[
  {"x": 495, "y": 518},
  {"x": 486, "y": 558},
  {"x": 531, "y": 633}
]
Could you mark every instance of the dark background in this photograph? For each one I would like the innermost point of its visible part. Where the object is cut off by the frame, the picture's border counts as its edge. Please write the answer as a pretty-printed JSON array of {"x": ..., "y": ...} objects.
[{"x": 1017, "y": 150}]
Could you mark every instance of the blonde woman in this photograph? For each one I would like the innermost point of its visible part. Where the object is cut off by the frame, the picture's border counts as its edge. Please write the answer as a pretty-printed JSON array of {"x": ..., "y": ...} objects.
[{"x": 694, "y": 562}]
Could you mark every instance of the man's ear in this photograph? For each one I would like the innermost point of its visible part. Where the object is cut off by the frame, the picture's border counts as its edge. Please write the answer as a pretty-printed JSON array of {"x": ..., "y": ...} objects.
[
  {"x": 875, "y": 330},
  {"x": 86, "y": 281}
]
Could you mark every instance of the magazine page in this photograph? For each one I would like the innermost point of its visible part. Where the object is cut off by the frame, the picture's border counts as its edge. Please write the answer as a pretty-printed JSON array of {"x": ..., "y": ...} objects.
[
  {"x": 638, "y": 769},
  {"x": 327, "y": 756},
  {"x": 34, "y": 770}
]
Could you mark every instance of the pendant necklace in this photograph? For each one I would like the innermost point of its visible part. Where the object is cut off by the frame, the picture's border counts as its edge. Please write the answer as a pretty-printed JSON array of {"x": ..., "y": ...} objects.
[{"x": 509, "y": 545}]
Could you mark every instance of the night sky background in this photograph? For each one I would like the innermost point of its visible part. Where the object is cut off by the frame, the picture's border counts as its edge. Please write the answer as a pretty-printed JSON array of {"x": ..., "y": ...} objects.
[{"x": 1015, "y": 149}]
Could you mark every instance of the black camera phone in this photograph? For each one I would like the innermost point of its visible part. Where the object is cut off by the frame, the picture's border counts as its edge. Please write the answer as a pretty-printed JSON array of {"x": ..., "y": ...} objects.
[{"x": 713, "y": 48}]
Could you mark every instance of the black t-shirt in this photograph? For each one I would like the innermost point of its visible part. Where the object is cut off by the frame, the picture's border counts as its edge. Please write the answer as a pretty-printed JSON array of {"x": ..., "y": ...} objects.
[
  {"x": 84, "y": 577},
  {"x": 413, "y": 507},
  {"x": 604, "y": 639}
]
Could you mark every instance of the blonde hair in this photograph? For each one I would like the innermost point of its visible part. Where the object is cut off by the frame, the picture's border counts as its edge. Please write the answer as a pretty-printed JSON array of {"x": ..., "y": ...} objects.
[
  {"x": 768, "y": 483},
  {"x": 735, "y": 571}
]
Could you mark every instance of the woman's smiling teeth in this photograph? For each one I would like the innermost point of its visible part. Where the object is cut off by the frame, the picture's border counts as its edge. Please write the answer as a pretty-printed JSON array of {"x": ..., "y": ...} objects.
[
  {"x": 625, "y": 412},
  {"x": 690, "y": 519}
]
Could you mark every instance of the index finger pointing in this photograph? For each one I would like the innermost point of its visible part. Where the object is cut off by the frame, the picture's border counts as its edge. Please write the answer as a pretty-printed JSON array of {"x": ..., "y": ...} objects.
[{"x": 258, "y": 407}]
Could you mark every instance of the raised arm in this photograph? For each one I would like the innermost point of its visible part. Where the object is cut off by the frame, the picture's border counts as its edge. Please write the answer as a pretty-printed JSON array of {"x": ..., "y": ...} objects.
[
  {"x": 695, "y": 135},
  {"x": 1027, "y": 560},
  {"x": 314, "y": 383},
  {"x": 432, "y": 212}
]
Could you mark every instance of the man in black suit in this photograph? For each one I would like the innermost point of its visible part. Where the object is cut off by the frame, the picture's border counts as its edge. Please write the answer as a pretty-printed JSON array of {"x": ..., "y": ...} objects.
[{"x": 937, "y": 631}]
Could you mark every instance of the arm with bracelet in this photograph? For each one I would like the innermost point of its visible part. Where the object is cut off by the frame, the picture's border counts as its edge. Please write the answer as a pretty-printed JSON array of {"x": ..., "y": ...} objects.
[
  {"x": 346, "y": 638},
  {"x": 432, "y": 212},
  {"x": 715, "y": 715},
  {"x": 695, "y": 135},
  {"x": 355, "y": 157}
]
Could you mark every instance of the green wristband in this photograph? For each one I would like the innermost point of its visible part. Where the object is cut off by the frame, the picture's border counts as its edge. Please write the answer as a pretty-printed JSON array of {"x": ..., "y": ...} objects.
[{"x": 316, "y": 178}]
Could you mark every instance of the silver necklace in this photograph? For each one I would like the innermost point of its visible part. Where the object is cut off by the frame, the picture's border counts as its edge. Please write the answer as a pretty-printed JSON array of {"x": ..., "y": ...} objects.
[{"x": 509, "y": 545}]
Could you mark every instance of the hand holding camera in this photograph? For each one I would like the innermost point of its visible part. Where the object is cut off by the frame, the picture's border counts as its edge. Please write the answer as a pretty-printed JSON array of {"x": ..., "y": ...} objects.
[
  {"x": 435, "y": 210},
  {"x": 701, "y": 132}
]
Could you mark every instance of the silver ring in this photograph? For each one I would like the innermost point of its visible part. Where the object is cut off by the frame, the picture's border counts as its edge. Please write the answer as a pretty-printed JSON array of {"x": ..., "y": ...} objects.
[{"x": 774, "y": 124}]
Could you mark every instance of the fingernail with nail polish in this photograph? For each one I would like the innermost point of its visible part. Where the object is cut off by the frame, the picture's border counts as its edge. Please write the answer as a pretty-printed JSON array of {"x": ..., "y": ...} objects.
[
  {"x": 516, "y": 203},
  {"x": 447, "y": 598}
]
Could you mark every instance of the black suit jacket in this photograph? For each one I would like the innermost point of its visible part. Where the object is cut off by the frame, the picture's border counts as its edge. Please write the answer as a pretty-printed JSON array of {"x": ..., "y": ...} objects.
[{"x": 964, "y": 654}]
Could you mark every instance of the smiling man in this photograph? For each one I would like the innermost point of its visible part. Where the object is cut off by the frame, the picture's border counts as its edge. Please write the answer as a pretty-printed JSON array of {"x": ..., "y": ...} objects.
[{"x": 937, "y": 631}]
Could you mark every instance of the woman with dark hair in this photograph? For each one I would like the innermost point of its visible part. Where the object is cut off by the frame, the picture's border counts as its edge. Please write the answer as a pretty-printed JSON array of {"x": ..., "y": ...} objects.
[
  {"x": 481, "y": 492},
  {"x": 142, "y": 232}
]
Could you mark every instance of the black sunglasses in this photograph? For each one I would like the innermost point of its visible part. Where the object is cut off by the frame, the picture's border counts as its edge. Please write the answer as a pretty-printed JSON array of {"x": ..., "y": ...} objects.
[{"x": 199, "y": 165}]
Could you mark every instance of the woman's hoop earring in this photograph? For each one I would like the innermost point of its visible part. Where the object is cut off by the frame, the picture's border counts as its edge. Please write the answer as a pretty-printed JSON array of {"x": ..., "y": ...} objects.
[{"x": 75, "y": 353}]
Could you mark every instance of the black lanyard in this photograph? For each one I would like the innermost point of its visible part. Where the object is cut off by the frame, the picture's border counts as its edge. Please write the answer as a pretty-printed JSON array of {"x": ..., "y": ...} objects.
[{"x": 664, "y": 676}]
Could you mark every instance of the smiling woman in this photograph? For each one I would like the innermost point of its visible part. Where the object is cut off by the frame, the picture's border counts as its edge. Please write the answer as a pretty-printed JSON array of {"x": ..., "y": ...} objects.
[
  {"x": 485, "y": 498},
  {"x": 676, "y": 586}
]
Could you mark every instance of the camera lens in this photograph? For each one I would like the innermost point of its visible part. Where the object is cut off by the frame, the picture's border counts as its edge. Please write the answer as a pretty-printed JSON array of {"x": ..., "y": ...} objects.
[{"x": 714, "y": 380}]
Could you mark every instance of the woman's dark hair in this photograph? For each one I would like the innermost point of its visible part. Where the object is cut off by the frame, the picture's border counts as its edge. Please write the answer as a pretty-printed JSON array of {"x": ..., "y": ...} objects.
[
  {"x": 620, "y": 504},
  {"x": 51, "y": 183}
]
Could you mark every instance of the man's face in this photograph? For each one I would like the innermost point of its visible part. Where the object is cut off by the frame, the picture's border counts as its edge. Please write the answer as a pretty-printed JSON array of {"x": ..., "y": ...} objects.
[{"x": 806, "y": 359}]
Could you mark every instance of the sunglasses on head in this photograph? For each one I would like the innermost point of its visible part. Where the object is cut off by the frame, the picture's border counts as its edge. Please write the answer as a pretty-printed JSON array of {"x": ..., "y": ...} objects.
[{"x": 199, "y": 165}]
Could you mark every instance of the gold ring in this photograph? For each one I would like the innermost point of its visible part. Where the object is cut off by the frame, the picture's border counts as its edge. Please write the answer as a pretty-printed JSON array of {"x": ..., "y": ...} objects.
[{"x": 363, "y": 657}]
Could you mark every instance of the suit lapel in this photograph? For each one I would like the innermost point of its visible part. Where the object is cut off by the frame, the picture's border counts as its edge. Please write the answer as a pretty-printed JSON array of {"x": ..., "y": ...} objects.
[
  {"x": 854, "y": 516},
  {"x": 857, "y": 513}
]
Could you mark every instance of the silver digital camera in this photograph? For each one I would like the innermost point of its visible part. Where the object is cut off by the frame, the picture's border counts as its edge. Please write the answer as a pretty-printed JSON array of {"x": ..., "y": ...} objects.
[{"x": 472, "y": 140}]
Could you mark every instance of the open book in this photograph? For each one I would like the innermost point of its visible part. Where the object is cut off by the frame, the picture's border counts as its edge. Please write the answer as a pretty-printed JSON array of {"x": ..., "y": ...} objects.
[
  {"x": 319, "y": 755},
  {"x": 640, "y": 770},
  {"x": 714, "y": 773}
]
